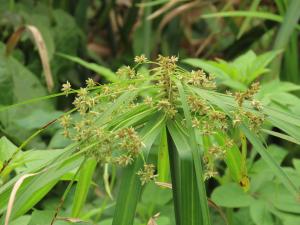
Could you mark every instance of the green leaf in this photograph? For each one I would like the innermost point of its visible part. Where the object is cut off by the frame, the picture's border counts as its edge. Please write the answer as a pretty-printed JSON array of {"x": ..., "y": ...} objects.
[
  {"x": 276, "y": 152},
  {"x": 227, "y": 104},
  {"x": 290, "y": 63},
  {"x": 187, "y": 202},
  {"x": 239, "y": 73},
  {"x": 130, "y": 190},
  {"x": 242, "y": 217},
  {"x": 37, "y": 119},
  {"x": 39, "y": 186},
  {"x": 41, "y": 217},
  {"x": 278, "y": 196},
  {"x": 285, "y": 125},
  {"x": 260, "y": 214},
  {"x": 163, "y": 164},
  {"x": 35, "y": 188},
  {"x": 246, "y": 22},
  {"x": 231, "y": 195},
  {"x": 162, "y": 195},
  {"x": 83, "y": 185},
  {"x": 5, "y": 189},
  {"x": 290, "y": 22},
  {"x": 101, "y": 70},
  {"x": 281, "y": 136},
  {"x": 143, "y": 34},
  {"x": 233, "y": 159},
  {"x": 296, "y": 163},
  {"x": 258, "y": 66},
  {"x": 34, "y": 159},
  {"x": 260, "y": 15},
  {"x": 133, "y": 117},
  {"x": 25, "y": 86},
  {"x": 274, "y": 166},
  {"x": 214, "y": 68},
  {"x": 6, "y": 83},
  {"x": 195, "y": 149},
  {"x": 283, "y": 37},
  {"x": 23, "y": 220},
  {"x": 119, "y": 102},
  {"x": 7, "y": 148}
]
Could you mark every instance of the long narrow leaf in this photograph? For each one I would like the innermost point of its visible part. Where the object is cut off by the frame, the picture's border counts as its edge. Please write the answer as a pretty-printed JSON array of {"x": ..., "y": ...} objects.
[
  {"x": 196, "y": 156},
  {"x": 163, "y": 164},
  {"x": 131, "y": 187},
  {"x": 187, "y": 203},
  {"x": 101, "y": 70},
  {"x": 260, "y": 15},
  {"x": 277, "y": 170},
  {"x": 83, "y": 185}
]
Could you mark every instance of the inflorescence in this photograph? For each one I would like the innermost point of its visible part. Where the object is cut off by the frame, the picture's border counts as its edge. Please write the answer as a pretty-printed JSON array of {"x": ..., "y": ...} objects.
[{"x": 91, "y": 125}]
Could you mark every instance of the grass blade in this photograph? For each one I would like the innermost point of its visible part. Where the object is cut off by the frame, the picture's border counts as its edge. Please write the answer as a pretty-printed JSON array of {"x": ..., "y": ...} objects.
[
  {"x": 290, "y": 22},
  {"x": 131, "y": 187},
  {"x": 282, "y": 136},
  {"x": 259, "y": 15},
  {"x": 83, "y": 185},
  {"x": 277, "y": 170},
  {"x": 163, "y": 164},
  {"x": 246, "y": 22},
  {"x": 285, "y": 32},
  {"x": 105, "y": 72},
  {"x": 196, "y": 156},
  {"x": 187, "y": 202}
]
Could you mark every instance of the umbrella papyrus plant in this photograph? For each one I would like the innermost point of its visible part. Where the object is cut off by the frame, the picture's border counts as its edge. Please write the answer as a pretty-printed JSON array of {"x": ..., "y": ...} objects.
[
  {"x": 195, "y": 126},
  {"x": 171, "y": 103}
]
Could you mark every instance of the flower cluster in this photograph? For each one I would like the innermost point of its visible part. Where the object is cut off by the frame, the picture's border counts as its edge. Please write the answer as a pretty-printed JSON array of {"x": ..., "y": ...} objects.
[
  {"x": 85, "y": 102},
  {"x": 167, "y": 63},
  {"x": 255, "y": 121},
  {"x": 166, "y": 69},
  {"x": 96, "y": 110},
  {"x": 147, "y": 173},
  {"x": 66, "y": 88},
  {"x": 209, "y": 120},
  {"x": 254, "y": 118},
  {"x": 130, "y": 143},
  {"x": 167, "y": 107},
  {"x": 197, "y": 105},
  {"x": 126, "y": 72},
  {"x": 240, "y": 97},
  {"x": 120, "y": 146},
  {"x": 140, "y": 59},
  {"x": 200, "y": 79},
  {"x": 213, "y": 154},
  {"x": 206, "y": 118}
]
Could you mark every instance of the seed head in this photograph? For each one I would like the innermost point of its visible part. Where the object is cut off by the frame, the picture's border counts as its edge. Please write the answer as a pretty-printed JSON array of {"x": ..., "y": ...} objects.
[
  {"x": 82, "y": 92},
  {"x": 148, "y": 101},
  {"x": 167, "y": 107},
  {"x": 90, "y": 83},
  {"x": 147, "y": 173},
  {"x": 210, "y": 173},
  {"x": 124, "y": 160},
  {"x": 65, "y": 121},
  {"x": 140, "y": 59},
  {"x": 126, "y": 71},
  {"x": 256, "y": 104},
  {"x": 66, "y": 88}
]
